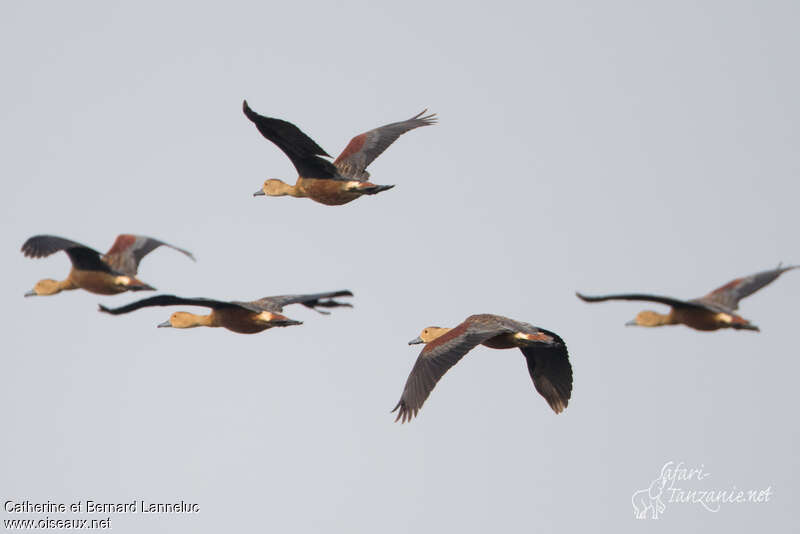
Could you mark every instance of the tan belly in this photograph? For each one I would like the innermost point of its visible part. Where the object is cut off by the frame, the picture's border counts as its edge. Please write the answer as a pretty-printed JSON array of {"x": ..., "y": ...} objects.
[
  {"x": 328, "y": 192},
  {"x": 239, "y": 320},
  {"x": 701, "y": 319},
  {"x": 96, "y": 282}
]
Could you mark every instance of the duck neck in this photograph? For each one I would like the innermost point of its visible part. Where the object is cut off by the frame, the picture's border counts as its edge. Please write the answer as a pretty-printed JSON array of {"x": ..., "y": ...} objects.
[
  {"x": 670, "y": 318},
  {"x": 661, "y": 319},
  {"x": 66, "y": 285},
  {"x": 51, "y": 287},
  {"x": 290, "y": 190},
  {"x": 192, "y": 320},
  {"x": 182, "y": 319}
]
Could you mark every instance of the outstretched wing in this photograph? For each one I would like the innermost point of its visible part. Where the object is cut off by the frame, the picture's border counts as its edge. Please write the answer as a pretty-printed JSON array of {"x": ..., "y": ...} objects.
[
  {"x": 81, "y": 256},
  {"x": 550, "y": 370},
  {"x": 299, "y": 147},
  {"x": 169, "y": 300},
  {"x": 675, "y": 303},
  {"x": 435, "y": 360},
  {"x": 128, "y": 250},
  {"x": 729, "y": 295},
  {"x": 312, "y": 300},
  {"x": 364, "y": 148}
]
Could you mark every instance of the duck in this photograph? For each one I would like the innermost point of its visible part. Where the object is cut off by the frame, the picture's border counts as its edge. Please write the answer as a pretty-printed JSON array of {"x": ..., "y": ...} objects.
[
  {"x": 545, "y": 353},
  {"x": 249, "y": 317},
  {"x": 714, "y": 311},
  {"x": 104, "y": 274},
  {"x": 341, "y": 181}
]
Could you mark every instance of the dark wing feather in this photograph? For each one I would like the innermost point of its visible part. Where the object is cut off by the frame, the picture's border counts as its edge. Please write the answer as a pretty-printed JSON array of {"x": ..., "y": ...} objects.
[
  {"x": 434, "y": 361},
  {"x": 365, "y": 147},
  {"x": 169, "y": 300},
  {"x": 299, "y": 147},
  {"x": 312, "y": 300},
  {"x": 675, "y": 303},
  {"x": 729, "y": 295},
  {"x": 128, "y": 250},
  {"x": 550, "y": 370},
  {"x": 81, "y": 256}
]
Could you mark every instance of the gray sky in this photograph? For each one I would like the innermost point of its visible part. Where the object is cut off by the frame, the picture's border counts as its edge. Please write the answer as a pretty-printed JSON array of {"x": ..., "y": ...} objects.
[{"x": 627, "y": 147}]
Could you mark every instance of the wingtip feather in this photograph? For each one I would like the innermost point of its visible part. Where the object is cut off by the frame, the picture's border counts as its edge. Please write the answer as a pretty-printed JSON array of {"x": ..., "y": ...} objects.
[
  {"x": 249, "y": 113},
  {"x": 427, "y": 119}
]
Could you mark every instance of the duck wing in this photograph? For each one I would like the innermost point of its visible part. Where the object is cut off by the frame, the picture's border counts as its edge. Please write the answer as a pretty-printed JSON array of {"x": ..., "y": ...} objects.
[
  {"x": 364, "y": 148},
  {"x": 128, "y": 250},
  {"x": 82, "y": 257},
  {"x": 298, "y": 147},
  {"x": 172, "y": 300},
  {"x": 669, "y": 301},
  {"x": 311, "y": 300},
  {"x": 550, "y": 370},
  {"x": 729, "y": 295},
  {"x": 438, "y": 357}
]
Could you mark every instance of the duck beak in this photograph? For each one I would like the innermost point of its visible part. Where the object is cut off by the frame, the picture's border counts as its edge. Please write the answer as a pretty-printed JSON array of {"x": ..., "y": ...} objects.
[
  {"x": 258, "y": 193},
  {"x": 30, "y": 293},
  {"x": 165, "y": 324},
  {"x": 142, "y": 287},
  {"x": 416, "y": 341}
]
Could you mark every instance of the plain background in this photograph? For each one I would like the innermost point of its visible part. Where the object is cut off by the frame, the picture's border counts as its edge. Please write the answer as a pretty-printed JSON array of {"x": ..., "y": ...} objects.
[{"x": 628, "y": 146}]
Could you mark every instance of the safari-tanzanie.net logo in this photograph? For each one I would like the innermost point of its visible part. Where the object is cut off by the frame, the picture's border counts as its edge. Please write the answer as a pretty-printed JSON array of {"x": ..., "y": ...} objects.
[{"x": 679, "y": 483}]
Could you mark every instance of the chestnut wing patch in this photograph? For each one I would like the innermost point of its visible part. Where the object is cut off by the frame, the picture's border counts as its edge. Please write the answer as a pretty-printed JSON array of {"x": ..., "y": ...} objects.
[
  {"x": 729, "y": 295},
  {"x": 364, "y": 148},
  {"x": 128, "y": 250}
]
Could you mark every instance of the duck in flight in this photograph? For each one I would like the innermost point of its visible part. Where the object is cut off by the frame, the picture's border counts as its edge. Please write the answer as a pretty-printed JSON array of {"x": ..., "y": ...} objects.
[
  {"x": 710, "y": 312},
  {"x": 328, "y": 183},
  {"x": 544, "y": 351},
  {"x": 241, "y": 317},
  {"x": 104, "y": 274}
]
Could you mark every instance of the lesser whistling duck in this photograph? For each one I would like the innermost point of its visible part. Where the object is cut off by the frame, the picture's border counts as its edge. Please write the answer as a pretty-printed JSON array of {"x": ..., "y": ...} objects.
[
  {"x": 320, "y": 180},
  {"x": 545, "y": 352},
  {"x": 104, "y": 274},
  {"x": 707, "y": 313},
  {"x": 241, "y": 317}
]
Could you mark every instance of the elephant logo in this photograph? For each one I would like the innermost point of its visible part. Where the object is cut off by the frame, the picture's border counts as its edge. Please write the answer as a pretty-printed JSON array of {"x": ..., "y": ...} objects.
[{"x": 649, "y": 499}]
